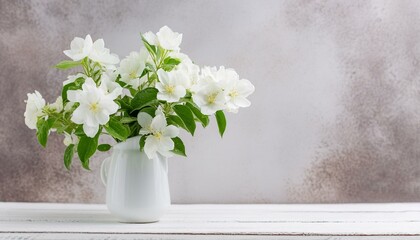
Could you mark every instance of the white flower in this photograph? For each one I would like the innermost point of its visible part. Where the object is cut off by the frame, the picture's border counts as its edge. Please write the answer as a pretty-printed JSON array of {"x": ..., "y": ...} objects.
[
  {"x": 108, "y": 83},
  {"x": 34, "y": 105},
  {"x": 159, "y": 111},
  {"x": 151, "y": 38},
  {"x": 220, "y": 89},
  {"x": 221, "y": 76},
  {"x": 236, "y": 92},
  {"x": 224, "y": 75},
  {"x": 159, "y": 140},
  {"x": 207, "y": 77},
  {"x": 188, "y": 68},
  {"x": 79, "y": 48},
  {"x": 209, "y": 98},
  {"x": 95, "y": 106},
  {"x": 181, "y": 56},
  {"x": 171, "y": 86},
  {"x": 96, "y": 51},
  {"x": 57, "y": 105},
  {"x": 208, "y": 93},
  {"x": 168, "y": 39},
  {"x": 191, "y": 72},
  {"x": 70, "y": 139},
  {"x": 102, "y": 55},
  {"x": 132, "y": 67},
  {"x": 73, "y": 78}
]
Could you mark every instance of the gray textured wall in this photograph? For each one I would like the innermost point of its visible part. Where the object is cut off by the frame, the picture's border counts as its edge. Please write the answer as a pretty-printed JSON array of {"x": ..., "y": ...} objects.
[{"x": 335, "y": 115}]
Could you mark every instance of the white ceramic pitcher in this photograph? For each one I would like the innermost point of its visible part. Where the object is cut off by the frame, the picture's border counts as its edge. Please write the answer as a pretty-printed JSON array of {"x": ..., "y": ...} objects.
[{"x": 137, "y": 187}]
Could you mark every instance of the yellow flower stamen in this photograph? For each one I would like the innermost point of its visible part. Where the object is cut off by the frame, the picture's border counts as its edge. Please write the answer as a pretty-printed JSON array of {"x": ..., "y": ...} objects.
[
  {"x": 158, "y": 135},
  {"x": 211, "y": 98},
  {"x": 233, "y": 94},
  {"x": 169, "y": 89},
  {"x": 94, "y": 107},
  {"x": 133, "y": 75}
]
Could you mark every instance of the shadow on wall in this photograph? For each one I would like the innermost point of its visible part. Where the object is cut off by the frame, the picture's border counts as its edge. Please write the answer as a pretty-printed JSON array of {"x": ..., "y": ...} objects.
[
  {"x": 33, "y": 33},
  {"x": 372, "y": 152}
]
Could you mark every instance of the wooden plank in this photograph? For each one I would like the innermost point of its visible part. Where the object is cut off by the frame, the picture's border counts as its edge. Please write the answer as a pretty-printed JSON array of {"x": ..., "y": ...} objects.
[
  {"x": 78, "y": 236},
  {"x": 317, "y": 220}
]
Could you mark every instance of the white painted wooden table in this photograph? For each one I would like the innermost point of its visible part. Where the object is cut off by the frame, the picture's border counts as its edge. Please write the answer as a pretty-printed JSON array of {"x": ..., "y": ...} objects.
[{"x": 297, "y": 221}]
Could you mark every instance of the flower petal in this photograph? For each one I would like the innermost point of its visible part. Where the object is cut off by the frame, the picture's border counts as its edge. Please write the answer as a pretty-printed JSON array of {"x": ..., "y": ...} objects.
[
  {"x": 90, "y": 119},
  {"x": 99, "y": 44},
  {"x": 158, "y": 123},
  {"x": 165, "y": 146},
  {"x": 102, "y": 118},
  {"x": 150, "y": 38},
  {"x": 241, "y": 101},
  {"x": 87, "y": 44},
  {"x": 166, "y": 143},
  {"x": 245, "y": 87},
  {"x": 79, "y": 115},
  {"x": 151, "y": 146},
  {"x": 144, "y": 120},
  {"x": 160, "y": 87},
  {"x": 179, "y": 92},
  {"x": 72, "y": 95},
  {"x": 90, "y": 131},
  {"x": 170, "y": 131},
  {"x": 163, "y": 77}
]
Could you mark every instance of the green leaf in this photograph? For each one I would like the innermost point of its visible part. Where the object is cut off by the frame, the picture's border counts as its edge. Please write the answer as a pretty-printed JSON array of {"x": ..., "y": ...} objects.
[
  {"x": 172, "y": 61},
  {"x": 145, "y": 71},
  {"x": 204, "y": 119},
  {"x": 104, "y": 147},
  {"x": 128, "y": 119},
  {"x": 149, "y": 110},
  {"x": 134, "y": 129},
  {"x": 68, "y": 156},
  {"x": 177, "y": 121},
  {"x": 117, "y": 129},
  {"x": 43, "y": 130},
  {"x": 169, "y": 63},
  {"x": 122, "y": 84},
  {"x": 159, "y": 52},
  {"x": 150, "y": 67},
  {"x": 179, "y": 147},
  {"x": 144, "y": 98},
  {"x": 70, "y": 86},
  {"x": 125, "y": 103},
  {"x": 132, "y": 91},
  {"x": 187, "y": 117},
  {"x": 79, "y": 131},
  {"x": 221, "y": 122},
  {"x": 142, "y": 141},
  {"x": 149, "y": 47},
  {"x": 86, "y": 148},
  {"x": 68, "y": 64}
]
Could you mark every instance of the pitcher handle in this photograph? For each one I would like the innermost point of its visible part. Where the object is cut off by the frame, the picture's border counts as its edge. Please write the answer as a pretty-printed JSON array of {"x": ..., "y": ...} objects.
[{"x": 105, "y": 169}]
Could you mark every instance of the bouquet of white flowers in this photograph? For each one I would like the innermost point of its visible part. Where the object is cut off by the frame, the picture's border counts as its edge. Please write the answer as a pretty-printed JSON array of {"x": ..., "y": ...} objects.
[{"x": 152, "y": 93}]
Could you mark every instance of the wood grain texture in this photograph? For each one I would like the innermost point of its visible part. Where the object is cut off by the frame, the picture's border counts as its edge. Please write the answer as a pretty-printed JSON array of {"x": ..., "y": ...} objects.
[
  {"x": 65, "y": 236},
  {"x": 312, "y": 221}
]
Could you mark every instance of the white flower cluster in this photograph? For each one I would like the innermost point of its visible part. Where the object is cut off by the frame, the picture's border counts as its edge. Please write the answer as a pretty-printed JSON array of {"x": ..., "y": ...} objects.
[
  {"x": 220, "y": 89},
  {"x": 95, "y": 106},
  {"x": 96, "y": 51},
  {"x": 152, "y": 92},
  {"x": 34, "y": 109}
]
